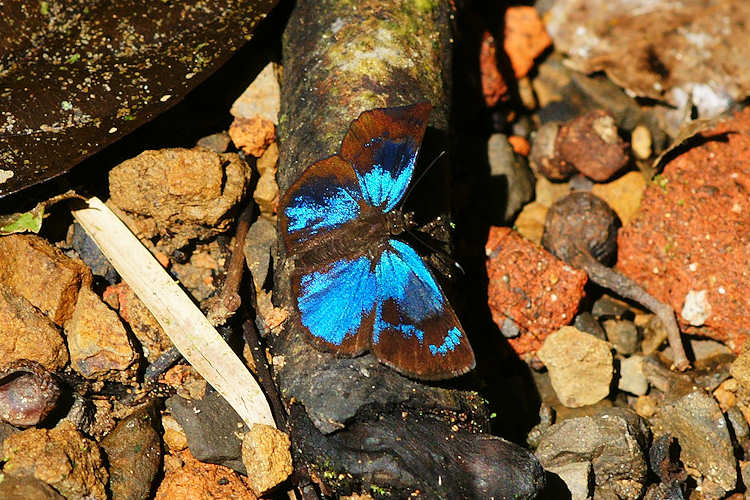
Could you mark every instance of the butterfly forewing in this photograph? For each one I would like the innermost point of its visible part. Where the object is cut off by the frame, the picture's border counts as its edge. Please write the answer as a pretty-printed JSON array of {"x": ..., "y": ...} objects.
[
  {"x": 382, "y": 145},
  {"x": 325, "y": 197}
]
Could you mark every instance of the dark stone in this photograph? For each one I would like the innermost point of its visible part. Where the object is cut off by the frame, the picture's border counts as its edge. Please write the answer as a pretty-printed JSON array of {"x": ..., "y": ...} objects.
[
  {"x": 699, "y": 426},
  {"x": 134, "y": 453},
  {"x": 613, "y": 441},
  {"x": 511, "y": 180},
  {"x": 211, "y": 426},
  {"x": 623, "y": 335},
  {"x": 5, "y": 431},
  {"x": 89, "y": 252},
  {"x": 586, "y": 322},
  {"x": 606, "y": 307}
]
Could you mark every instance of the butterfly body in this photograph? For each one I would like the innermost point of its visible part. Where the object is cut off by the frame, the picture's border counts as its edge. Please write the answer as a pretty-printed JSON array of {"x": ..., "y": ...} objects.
[{"x": 356, "y": 286}]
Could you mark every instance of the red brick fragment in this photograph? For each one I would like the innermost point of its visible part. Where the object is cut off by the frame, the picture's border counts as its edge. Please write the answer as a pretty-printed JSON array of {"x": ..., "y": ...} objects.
[
  {"x": 692, "y": 234},
  {"x": 493, "y": 85},
  {"x": 527, "y": 284}
]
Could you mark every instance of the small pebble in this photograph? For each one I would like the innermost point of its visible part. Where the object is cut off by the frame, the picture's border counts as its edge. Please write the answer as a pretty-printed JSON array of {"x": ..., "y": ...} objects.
[
  {"x": 640, "y": 142},
  {"x": 632, "y": 379}
]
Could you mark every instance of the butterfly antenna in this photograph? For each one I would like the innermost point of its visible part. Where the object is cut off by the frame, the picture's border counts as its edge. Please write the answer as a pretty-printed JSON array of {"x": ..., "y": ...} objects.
[
  {"x": 442, "y": 253},
  {"x": 421, "y": 176}
]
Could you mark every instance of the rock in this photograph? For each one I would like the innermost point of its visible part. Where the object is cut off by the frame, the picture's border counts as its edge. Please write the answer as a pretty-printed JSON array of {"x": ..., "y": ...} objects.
[
  {"x": 211, "y": 427},
  {"x": 61, "y": 457},
  {"x": 645, "y": 406},
  {"x": 494, "y": 87},
  {"x": 740, "y": 369},
  {"x": 178, "y": 194},
  {"x": 28, "y": 393},
  {"x": 35, "y": 270},
  {"x": 632, "y": 379},
  {"x": 623, "y": 335},
  {"x": 266, "y": 193},
  {"x": 511, "y": 179},
  {"x": 90, "y": 254},
  {"x": 697, "y": 422},
  {"x": 200, "y": 481},
  {"x": 579, "y": 364},
  {"x": 525, "y": 38},
  {"x": 174, "y": 436},
  {"x": 640, "y": 142},
  {"x": 218, "y": 143},
  {"x": 133, "y": 451},
  {"x": 696, "y": 309},
  {"x": 530, "y": 222},
  {"x": 586, "y": 322},
  {"x": 520, "y": 144},
  {"x": 614, "y": 442},
  {"x": 142, "y": 323},
  {"x": 548, "y": 192},
  {"x": 252, "y": 135},
  {"x": 623, "y": 194},
  {"x": 186, "y": 381},
  {"x": 703, "y": 245},
  {"x": 265, "y": 453},
  {"x": 26, "y": 488},
  {"x": 28, "y": 334},
  {"x": 591, "y": 143},
  {"x": 577, "y": 478},
  {"x": 537, "y": 291},
  {"x": 262, "y": 98},
  {"x": 726, "y": 394},
  {"x": 607, "y": 307},
  {"x": 98, "y": 343},
  {"x": 258, "y": 243}
]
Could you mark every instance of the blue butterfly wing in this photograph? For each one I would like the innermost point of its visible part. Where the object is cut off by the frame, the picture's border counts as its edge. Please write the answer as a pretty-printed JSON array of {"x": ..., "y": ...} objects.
[
  {"x": 415, "y": 330},
  {"x": 336, "y": 302},
  {"x": 382, "y": 146},
  {"x": 327, "y": 196}
]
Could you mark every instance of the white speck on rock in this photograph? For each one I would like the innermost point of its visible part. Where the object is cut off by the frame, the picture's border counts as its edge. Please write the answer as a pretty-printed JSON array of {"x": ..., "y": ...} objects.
[
  {"x": 5, "y": 175},
  {"x": 697, "y": 309}
]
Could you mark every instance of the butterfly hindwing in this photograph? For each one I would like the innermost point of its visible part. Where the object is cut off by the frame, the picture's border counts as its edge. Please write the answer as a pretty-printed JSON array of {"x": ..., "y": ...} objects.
[
  {"x": 415, "y": 330},
  {"x": 325, "y": 197},
  {"x": 336, "y": 302},
  {"x": 382, "y": 146}
]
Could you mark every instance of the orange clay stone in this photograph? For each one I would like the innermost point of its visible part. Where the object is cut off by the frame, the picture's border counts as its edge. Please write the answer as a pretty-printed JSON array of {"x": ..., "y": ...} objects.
[
  {"x": 252, "y": 135},
  {"x": 493, "y": 85},
  {"x": 690, "y": 241},
  {"x": 520, "y": 145},
  {"x": 527, "y": 284},
  {"x": 525, "y": 38},
  {"x": 200, "y": 481}
]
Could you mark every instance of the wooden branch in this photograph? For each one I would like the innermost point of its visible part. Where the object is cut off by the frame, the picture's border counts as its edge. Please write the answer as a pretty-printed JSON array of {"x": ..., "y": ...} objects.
[{"x": 181, "y": 320}]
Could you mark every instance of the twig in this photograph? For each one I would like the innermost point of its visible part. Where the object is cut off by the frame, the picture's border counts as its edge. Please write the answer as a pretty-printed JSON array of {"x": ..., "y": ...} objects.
[{"x": 181, "y": 320}]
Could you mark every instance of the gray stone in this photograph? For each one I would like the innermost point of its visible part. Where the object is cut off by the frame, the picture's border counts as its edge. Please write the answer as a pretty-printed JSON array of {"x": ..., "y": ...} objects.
[
  {"x": 607, "y": 307},
  {"x": 586, "y": 322},
  {"x": 260, "y": 236},
  {"x": 579, "y": 364},
  {"x": 217, "y": 143},
  {"x": 740, "y": 369},
  {"x": 577, "y": 477},
  {"x": 697, "y": 422},
  {"x": 623, "y": 335},
  {"x": 632, "y": 379},
  {"x": 510, "y": 177},
  {"x": 211, "y": 426},
  {"x": 614, "y": 442}
]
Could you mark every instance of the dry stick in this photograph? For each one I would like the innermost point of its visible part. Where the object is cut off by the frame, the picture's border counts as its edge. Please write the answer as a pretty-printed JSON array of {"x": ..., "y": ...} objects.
[
  {"x": 227, "y": 302},
  {"x": 182, "y": 321}
]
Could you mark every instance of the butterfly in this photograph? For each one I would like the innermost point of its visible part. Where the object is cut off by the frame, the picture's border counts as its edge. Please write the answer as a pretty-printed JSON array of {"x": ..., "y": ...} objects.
[{"x": 355, "y": 286}]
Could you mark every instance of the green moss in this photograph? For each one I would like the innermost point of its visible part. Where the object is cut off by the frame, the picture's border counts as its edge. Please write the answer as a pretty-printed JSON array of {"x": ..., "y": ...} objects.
[
  {"x": 44, "y": 8},
  {"x": 425, "y": 6},
  {"x": 378, "y": 490}
]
